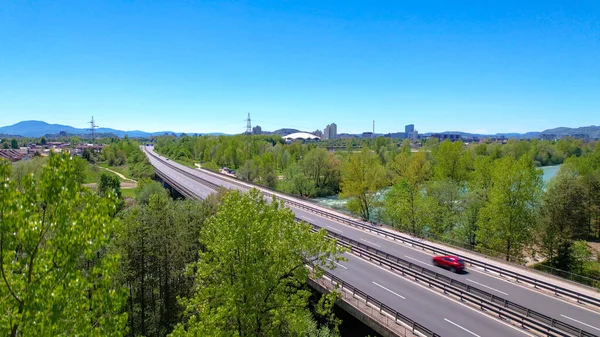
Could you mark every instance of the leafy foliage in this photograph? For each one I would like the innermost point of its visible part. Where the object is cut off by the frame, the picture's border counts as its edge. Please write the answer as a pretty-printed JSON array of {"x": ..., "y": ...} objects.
[
  {"x": 57, "y": 277},
  {"x": 251, "y": 274},
  {"x": 506, "y": 222},
  {"x": 362, "y": 176},
  {"x": 159, "y": 237}
]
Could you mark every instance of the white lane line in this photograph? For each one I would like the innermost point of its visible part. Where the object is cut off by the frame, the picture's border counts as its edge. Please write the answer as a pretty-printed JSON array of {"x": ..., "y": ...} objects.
[
  {"x": 341, "y": 265},
  {"x": 469, "y": 331},
  {"x": 382, "y": 287},
  {"x": 369, "y": 242},
  {"x": 483, "y": 285},
  {"x": 467, "y": 307},
  {"x": 580, "y": 322},
  {"x": 412, "y": 258},
  {"x": 334, "y": 229}
]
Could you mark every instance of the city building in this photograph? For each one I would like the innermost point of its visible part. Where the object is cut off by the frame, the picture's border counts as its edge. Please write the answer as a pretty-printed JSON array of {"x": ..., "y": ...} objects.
[
  {"x": 330, "y": 131},
  {"x": 413, "y": 135},
  {"x": 449, "y": 136},
  {"x": 367, "y": 135},
  {"x": 395, "y": 135},
  {"x": 318, "y": 133},
  {"x": 408, "y": 129},
  {"x": 257, "y": 130}
]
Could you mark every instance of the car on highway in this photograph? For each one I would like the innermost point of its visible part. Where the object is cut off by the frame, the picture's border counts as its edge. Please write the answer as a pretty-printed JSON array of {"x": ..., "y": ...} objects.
[{"x": 450, "y": 262}]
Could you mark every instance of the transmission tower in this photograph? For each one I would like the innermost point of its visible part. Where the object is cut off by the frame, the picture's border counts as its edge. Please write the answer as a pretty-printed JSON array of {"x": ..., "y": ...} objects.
[
  {"x": 93, "y": 128},
  {"x": 248, "y": 125}
]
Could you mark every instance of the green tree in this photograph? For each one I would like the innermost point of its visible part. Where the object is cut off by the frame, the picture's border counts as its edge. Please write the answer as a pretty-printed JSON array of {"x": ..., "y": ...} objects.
[
  {"x": 505, "y": 223},
  {"x": 447, "y": 199},
  {"x": 56, "y": 274},
  {"x": 323, "y": 168},
  {"x": 109, "y": 183},
  {"x": 251, "y": 275},
  {"x": 408, "y": 208},
  {"x": 580, "y": 257},
  {"x": 297, "y": 182},
  {"x": 451, "y": 161},
  {"x": 362, "y": 176},
  {"x": 250, "y": 171},
  {"x": 14, "y": 144},
  {"x": 563, "y": 218},
  {"x": 157, "y": 240}
]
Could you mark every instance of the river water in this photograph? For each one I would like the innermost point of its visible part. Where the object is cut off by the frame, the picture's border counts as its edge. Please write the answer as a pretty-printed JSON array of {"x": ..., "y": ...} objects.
[{"x": 339, "y": 204}]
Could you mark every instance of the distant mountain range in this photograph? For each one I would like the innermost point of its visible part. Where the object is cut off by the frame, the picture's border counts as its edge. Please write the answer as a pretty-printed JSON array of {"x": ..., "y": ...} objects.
[
  {"x": 39, "y": 129},
  {"x": 592, "y": 131}
]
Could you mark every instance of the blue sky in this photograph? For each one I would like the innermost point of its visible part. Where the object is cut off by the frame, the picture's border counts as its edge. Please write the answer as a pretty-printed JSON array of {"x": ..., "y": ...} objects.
[{"x": 475, "y": 66}]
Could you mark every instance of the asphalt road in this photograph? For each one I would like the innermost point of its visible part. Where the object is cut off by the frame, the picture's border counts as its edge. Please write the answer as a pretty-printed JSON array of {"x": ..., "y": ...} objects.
[
  {"x": 431, "y": 309},
  {"x": 521, "y": 294}
]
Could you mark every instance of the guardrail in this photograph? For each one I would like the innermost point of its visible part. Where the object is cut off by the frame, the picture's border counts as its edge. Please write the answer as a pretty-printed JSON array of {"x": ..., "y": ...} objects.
[
  {"x": 382, "y": 308},
  {"x": 557, "y": 290},
  {"x": 486, "y": 301},
  {"x": 399, "y": 318}
]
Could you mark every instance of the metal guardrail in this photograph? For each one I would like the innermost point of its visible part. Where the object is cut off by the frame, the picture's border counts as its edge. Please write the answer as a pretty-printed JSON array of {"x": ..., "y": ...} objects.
[
  {"x": 369, "y": 300},
  {"x": 579, "y": 297},
  {"x": 382, "y": 307},
  {"x": 485, "y": 300},
  {"x": 557, "y": 290}
]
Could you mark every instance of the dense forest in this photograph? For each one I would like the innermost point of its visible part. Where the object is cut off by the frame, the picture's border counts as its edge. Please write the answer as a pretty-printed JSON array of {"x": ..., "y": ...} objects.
[
  {"x": 486, "y": 196},
  {"x": 77, "y": 261}
]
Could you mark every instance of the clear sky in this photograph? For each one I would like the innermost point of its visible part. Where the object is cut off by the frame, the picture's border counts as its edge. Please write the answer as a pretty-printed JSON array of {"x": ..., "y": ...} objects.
[{"x": 201, "y": 66}]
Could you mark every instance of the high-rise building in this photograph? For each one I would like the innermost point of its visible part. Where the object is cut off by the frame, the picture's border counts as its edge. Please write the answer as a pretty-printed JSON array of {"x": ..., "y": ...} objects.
[
  {"x": 257, "y": 130},
  {"x": 330, "y": 131},
  {"x": 408, "y": 129}
]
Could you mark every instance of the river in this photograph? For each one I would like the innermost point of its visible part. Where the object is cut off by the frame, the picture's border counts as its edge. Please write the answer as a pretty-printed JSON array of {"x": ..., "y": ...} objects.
[{"x": 339, "y": 204}]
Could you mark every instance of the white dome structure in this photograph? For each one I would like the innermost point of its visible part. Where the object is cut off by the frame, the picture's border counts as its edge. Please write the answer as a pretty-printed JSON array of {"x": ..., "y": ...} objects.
[{"x": 301, "y": 136}]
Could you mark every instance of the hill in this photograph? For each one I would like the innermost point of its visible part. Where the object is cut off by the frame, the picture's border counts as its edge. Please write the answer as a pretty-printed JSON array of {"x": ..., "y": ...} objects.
[
  {"x": 40, "y": 128},
  {"x": 592, "y": 131}
]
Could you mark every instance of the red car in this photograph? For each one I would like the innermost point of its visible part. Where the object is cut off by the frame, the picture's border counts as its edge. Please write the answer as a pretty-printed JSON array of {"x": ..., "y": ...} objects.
[{"x": 453, "y": 263}]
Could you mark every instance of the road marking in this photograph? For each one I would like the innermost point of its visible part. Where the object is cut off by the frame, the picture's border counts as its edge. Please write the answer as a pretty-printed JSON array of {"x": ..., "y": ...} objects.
[
  {"x": 382, "y": 287},
  {"x": 483, "y": 285},
  {"x": 412, "y": 258},
  {"x": 374, "y": 244},
  {"x": 580, "y": 322},
  {"x": 334, "y": 229},
  {"x": 341, "y": 265},
  {"x": 469, "y": 331},
  {"x": 426, "y": 288}
]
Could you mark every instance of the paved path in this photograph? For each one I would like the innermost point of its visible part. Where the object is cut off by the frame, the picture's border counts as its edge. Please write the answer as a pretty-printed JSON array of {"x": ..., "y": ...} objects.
[{"x": 117, "y": 173}]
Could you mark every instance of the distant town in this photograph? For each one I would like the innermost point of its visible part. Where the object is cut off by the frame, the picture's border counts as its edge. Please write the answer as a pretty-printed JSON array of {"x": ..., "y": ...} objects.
[{"x": 27, "y": 139}]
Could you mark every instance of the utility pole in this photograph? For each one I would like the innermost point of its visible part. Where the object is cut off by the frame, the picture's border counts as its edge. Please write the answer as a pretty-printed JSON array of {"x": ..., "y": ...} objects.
[
  {"x": 92, "y": 128},
  {"x": 248, "y": 125}
]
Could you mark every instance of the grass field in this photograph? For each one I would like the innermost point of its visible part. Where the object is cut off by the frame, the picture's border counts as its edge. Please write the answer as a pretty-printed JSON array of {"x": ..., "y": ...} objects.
[
  {"x": 93, "y": 172},
  {"x": 124, "y": 170},
  {"x": 128, "y": 193}
]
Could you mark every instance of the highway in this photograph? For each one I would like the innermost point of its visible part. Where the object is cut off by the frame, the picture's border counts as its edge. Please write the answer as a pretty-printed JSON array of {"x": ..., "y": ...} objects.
[
  {"x": 547, "y": 304},
  {"x": 436, "y": 312}
]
